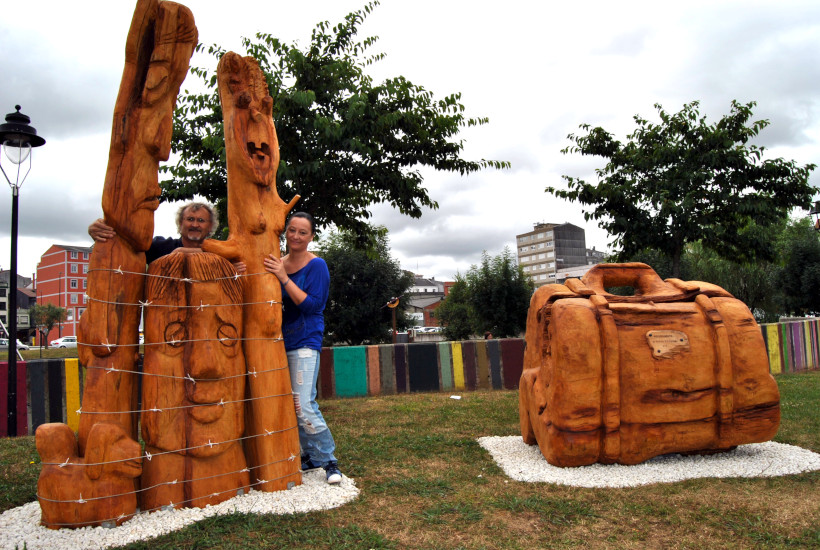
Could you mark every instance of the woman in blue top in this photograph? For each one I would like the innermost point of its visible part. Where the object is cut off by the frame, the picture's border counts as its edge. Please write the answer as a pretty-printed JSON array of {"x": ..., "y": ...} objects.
[{"x": 305, "y": 285}]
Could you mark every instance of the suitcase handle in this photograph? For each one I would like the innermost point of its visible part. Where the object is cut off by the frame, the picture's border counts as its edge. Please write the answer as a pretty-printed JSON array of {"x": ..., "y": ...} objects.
[{"x": 637, "y": 275}]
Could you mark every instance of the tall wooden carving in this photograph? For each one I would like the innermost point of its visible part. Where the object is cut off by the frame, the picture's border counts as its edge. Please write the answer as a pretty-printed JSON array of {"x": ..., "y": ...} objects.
[
  {"x": 193, "y": 385},
  {"x": 256, "y": 217},
  {"x": 678, "y": 367},
  {"x": 159, "y": 47},
  {"x": 160, "y": 42}
]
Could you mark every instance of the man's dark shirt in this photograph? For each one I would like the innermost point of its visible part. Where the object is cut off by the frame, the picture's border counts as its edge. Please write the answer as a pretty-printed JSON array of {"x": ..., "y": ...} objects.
[{"x": 160, "y": 247}]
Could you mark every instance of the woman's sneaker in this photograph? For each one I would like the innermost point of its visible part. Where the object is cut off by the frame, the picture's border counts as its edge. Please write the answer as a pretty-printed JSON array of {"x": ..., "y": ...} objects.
[
  {"x": 308, "y": 464},
  {"x": 334, "y": 476}
]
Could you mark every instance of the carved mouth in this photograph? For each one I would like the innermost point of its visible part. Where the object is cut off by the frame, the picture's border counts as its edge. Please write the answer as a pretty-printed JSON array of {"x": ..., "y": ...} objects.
[
  {"x": 259, "y": 155},
  {"x": 205, "y": 414},
  {"x": 151, "y": 203}
]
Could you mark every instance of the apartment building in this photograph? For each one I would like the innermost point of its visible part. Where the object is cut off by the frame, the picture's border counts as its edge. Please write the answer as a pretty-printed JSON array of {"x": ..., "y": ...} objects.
[
  {"x": 550, "y": 248},
  {"x": 25, "y": 298},
  {"x": 62, "y": 280}
]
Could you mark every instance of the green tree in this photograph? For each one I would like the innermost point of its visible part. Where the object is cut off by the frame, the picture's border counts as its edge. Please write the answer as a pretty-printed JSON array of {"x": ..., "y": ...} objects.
[
  {"x": 44, "y": 317},
  {"x": 800, "y": 276},
  {"x": 345, "y": 142},
  {"x": 682, "y": 181},
  {"x": 500, "y": 295},
  {"x": 753, "y": 283},
  {"x": 361, "y": 284},
  {"x": 456, "y": 313}
]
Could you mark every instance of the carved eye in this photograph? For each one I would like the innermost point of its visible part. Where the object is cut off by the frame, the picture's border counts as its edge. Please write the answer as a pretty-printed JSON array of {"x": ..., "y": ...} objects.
[
  {"x": 175, "y": 334},
  {"x": 227, "y": 335}
]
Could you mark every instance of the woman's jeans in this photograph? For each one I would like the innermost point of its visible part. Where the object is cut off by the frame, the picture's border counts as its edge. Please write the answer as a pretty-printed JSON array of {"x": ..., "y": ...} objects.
[{"x": 314, "y": 435}]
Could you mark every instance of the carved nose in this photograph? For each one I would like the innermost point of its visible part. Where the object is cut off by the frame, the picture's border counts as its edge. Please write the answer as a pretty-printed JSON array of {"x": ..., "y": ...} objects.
[{"x": 203, "y": 361}]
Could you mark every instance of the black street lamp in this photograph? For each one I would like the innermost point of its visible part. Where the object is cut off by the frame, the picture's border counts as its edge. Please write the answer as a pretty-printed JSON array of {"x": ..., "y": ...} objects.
[{"x": 17, "y": 138}]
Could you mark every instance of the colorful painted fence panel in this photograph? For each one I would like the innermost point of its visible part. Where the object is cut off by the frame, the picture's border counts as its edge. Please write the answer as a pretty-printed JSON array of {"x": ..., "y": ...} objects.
[
  {"x": 49, "y": 390},
  {"x": 792, "y": 346}
]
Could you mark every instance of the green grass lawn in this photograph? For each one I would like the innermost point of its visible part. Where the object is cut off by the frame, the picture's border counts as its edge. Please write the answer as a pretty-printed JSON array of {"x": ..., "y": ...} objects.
[{"x": 426, "y": 483}]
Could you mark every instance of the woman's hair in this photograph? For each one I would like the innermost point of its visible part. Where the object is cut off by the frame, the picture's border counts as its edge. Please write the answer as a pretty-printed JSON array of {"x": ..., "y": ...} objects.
[
  {"x": 194, "y": 206},
  {"x": 305, "y": 216}
]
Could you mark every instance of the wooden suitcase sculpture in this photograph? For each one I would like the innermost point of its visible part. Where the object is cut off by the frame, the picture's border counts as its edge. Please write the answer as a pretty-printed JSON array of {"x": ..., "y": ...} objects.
[{"x": 678, "y": 367}]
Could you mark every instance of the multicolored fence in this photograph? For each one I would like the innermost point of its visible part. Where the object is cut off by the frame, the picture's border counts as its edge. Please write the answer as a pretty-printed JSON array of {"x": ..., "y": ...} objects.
[{"x": 53, "y": 387}]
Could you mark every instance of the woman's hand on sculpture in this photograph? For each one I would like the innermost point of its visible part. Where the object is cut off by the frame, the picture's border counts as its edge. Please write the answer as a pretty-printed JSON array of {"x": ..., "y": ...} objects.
[
  {"x": 240, "y": 267},
  {"x": 101, "y": 232},
  {"x": 274, "y": 265}
]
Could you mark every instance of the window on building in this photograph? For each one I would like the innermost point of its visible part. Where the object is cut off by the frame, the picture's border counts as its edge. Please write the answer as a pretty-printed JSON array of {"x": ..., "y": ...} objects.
[
  {"x": 85, "y": 268},
  {"x": 74, "y": 298},
  {"x": 550, "y": 254},
  {"x": 74, "y": 255},
  {"x": 85, "y": 284},
  {"x": 542, "y": 256},
  {"x": 85, "y": 255},
  {"x": 532, "y": 247},
  {"x": 85, "y": 299},
  {"x": 550, "y": 243},
  {"x": 540, "y": 235},
  {"x": 74, "y": 268},
  {"x": 73, "y": 283},
  {"x": 549, "y": 234},
  {"x": 2, "y": 306},
  {"x": 2, "y": 292},
  {"x": 541, "y": 245},
  {"x": 80, "y": 312}
]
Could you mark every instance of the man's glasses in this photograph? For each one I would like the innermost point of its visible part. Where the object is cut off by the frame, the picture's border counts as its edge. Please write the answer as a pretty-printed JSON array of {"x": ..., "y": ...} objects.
[{"x": 200, "y": 220}]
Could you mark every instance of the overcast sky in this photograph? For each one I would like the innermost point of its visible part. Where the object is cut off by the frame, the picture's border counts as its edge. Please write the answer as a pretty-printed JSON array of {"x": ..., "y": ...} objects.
[{"x": 537, "y": 69}]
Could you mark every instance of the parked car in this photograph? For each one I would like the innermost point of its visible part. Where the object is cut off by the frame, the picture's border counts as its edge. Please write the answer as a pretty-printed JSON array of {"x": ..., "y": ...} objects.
[
  {"x": 64, "y": 342},
  {"x": 4, "y": 343}
]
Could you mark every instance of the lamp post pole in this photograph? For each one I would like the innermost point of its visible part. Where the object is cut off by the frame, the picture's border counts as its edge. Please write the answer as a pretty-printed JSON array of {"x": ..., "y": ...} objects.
[{"x": 17, "y": 138}]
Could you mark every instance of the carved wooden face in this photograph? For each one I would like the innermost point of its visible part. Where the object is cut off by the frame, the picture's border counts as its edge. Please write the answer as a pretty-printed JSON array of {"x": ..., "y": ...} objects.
[
  {"x": 143, "y": 121},
  {"x": 194, "y": 366},
  {"x": 250, "y": 137}
]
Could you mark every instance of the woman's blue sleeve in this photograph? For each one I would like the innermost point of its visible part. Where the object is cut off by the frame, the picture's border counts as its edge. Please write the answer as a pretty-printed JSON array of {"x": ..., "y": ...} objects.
[{"x": 317, "y": 287}]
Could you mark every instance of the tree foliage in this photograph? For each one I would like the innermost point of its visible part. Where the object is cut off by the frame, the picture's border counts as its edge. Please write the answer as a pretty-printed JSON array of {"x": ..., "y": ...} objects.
[
  {"x": 682, "y": 180},
  {"x": 345, "y": 142},
  {"x": 800, "y": 275},
  {"x": 456, "y": 313},
  {"x": 789, "y": 285},
  {"x": 361, "y": 284},
  {"x": 493, "y": 296},
  {"x": 45, "y": 317}
]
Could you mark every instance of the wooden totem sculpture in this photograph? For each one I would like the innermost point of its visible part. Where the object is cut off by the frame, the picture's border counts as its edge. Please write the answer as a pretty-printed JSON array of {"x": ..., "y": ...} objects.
[
  {"x": 256, "y": 217},
  {"x": 158, "y": 49},
  {"x": 678, "y": 367},
  {"x": 193, "y": 386}
]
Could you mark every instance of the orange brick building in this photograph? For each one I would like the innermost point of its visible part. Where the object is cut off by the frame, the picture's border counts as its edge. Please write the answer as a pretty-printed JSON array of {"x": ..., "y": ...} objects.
[{"x": 62, "y": 280}]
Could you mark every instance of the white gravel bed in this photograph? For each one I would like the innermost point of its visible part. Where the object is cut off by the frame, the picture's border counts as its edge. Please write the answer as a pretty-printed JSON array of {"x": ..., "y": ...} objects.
[
  {"x": 523, "y": 462},
  {"x": 21, "y": 526}
]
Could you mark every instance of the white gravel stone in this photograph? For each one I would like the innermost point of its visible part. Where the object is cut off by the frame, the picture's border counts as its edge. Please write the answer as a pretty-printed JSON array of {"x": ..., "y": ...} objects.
[
  {"x": 21, "y": 526},
  {"x": 523, "y": 462}
]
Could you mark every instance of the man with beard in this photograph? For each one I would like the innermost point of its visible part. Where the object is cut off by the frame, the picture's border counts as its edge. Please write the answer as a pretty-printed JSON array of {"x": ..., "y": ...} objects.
[{"x": 195, "y": 222}]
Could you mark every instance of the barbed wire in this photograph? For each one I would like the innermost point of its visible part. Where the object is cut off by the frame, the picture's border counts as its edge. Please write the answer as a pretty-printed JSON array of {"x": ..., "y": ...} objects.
[
  {"x": 171, "y": 505},
  {"x": 147, "y": 455},
  {"x": 188, "y": 376},
  {"x": 121, "y": 271},
  {"x": 221, "y": 403}
]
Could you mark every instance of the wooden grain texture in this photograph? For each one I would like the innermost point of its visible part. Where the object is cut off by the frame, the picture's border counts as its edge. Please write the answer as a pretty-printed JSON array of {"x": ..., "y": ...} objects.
[
  {"x": 256, "y": 218},
  {"x": 675, "y": 367},
  {"x": 158, "y": 49},
  {"x": 193, "y": 383},
  {"x": 76, "y": 491}
]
